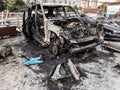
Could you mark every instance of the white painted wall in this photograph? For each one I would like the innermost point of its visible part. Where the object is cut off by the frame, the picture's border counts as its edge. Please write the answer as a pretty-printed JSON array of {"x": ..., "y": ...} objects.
[{"x": 113, "y": 9}]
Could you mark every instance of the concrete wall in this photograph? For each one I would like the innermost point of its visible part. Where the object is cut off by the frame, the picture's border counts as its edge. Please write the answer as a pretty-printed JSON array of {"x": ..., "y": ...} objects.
[{"x": 89, "y": 10}]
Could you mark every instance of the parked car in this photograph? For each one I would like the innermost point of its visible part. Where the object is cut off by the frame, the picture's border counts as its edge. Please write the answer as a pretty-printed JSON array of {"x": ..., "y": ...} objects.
[
  {"x": 59, "y": 27},
  {"x": 116, "y": 19},
  {"x": 111, "y": 29}
]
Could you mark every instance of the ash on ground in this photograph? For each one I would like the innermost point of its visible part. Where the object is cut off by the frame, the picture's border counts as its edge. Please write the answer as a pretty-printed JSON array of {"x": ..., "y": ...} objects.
[{"x": 99, "y": 70}]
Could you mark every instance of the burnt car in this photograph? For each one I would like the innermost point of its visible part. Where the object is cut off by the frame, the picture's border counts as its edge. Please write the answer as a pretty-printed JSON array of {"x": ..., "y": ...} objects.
[
  {"x": 59, "y": 27},
  {"x": 111, "y": 28},
  {"x": 112, "y": 32}
]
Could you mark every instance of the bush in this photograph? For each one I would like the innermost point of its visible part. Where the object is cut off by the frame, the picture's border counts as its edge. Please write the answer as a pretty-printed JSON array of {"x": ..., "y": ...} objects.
[
  {"x": 15, "y": 5},
  {"x": 3, "y": 5}
]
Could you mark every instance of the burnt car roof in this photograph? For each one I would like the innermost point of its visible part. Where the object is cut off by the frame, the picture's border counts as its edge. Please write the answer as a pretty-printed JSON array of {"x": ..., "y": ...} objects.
[{"x": 51, "y": 5}]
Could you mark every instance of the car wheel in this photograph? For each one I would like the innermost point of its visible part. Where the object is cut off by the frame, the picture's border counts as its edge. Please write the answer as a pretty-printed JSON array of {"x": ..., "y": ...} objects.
[
  {"x": 54, "y": 49},
  {"x": 25, "y": 31}
]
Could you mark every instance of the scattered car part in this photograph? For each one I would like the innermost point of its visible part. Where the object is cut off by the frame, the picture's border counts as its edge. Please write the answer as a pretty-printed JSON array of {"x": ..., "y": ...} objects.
[
  {"x": 59, "y": 72},
  {"x": 117, "y": 66},
  {"x": 65, "y": 70},
  {"x": 5, "y": 51},
  {"x": 88, "y": 53},
  {"x": 85, "y": 47},
  {"x": 73, "y": 70},
  {"x": 111, "y": 32}
]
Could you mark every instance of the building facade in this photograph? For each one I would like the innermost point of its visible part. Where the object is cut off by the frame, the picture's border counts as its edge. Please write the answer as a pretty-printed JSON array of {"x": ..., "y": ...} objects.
[{"x": 88, "y": 3}]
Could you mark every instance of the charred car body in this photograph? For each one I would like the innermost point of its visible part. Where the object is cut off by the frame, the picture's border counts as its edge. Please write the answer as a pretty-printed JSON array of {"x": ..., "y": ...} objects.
[
  {"x": 59, "y": 27},
  {"x": 111, "y": 29}
]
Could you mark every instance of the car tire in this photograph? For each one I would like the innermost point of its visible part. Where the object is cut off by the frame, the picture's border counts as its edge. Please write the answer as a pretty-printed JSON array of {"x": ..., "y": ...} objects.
[
  {"x": 54, "y": 49},
  {"x": 27, "y": 30}
]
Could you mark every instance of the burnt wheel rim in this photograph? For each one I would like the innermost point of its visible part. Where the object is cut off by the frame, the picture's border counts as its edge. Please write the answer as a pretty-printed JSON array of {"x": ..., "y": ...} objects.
[{"x": 55, "y": 49}]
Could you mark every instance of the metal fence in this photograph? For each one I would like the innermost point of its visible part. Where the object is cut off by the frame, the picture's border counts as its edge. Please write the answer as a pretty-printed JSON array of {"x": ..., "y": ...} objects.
[{"x": 14, "y": 18}]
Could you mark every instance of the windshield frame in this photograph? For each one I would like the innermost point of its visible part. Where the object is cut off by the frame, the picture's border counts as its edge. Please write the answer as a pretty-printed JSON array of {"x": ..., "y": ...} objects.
[{"x": 55, "y": 7}]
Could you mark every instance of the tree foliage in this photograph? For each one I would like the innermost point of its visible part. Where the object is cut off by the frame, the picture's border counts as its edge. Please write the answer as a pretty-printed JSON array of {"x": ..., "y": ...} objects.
[
  {"x": 29, "y": 3},
  {"x": 103, "y": 7},
  {"x": 15, "y": 5},
  {"x": 3, "y": 5}
]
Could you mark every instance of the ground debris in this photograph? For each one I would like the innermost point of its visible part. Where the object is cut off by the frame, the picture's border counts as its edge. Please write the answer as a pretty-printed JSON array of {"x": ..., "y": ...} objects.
[
  {"x": 95, "y": 74},
  {"x": 65, "y": 70},
  {"x": 117, "y": 66},
  {"x": 5, "y": 51},
  {"x": 60, "y": 71},
  {"x": 73, "y": 70}
]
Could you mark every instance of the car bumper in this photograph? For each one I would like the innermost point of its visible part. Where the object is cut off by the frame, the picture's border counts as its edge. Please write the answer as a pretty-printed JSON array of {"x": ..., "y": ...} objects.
[
  {"x": 115, "y": 37},
  {"x": 87, "y": 47},
  {"x": 82, "y": 40}
]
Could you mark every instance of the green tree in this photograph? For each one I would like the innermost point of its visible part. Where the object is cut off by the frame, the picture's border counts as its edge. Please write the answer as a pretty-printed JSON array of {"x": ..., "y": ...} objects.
[
  {"x": 14, "y": 5},
  {"x": 103, "y": 7},
  {"x": 20, "y": 2},
  {"x": 2, "y": 5},
  {"x": 28, "y": 2}
]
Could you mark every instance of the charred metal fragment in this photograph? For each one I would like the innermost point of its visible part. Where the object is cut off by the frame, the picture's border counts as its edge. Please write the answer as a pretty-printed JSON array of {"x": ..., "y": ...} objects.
[
  {"x": 112, "y": 47},
  {"x": 60, "y": 71},
  {"x": 73, "y": 70},
  {"x": 65, "y": 70},
  {"x": 5, "y": 51},
  {"x": 83, "y": 48}
]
